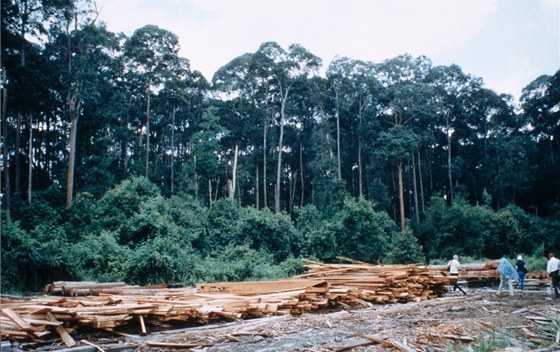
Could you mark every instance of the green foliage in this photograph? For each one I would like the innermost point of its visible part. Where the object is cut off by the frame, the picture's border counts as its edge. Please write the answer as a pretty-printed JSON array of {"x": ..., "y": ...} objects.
[
  {"x": 316, "y": 241},
  {"x": 80, "y": 218},
  {"x": 496, "y": 341},
  {"x": 124, "y": 202},
  {"x": 478, "y": 231},
  {"x": 458, "y": 229},
  {"x": 151, "y": 220},
  {"x": 270, "y": 232},
  {"x": 510, "y": 233},
  {"x": 242, "y": 263},
  {"x": 19, "y": 257},
  {"x": 360, "y": 232},
  {"x": 160, "y": 260},
  {"x": 99, "y": 258},
  {"x": 52, "y": 252},
  {"x": 40, "y": 211},
  {"x": 223, "y": 225},
  {"x": 404, "y": 249}
]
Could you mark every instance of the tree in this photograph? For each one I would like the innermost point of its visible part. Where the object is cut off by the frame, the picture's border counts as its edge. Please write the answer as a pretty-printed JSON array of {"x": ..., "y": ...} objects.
[
  {"x": 539, "y": 102},
  {"x": 408, "y": 101},
  {"x": 151, "y": 54}
]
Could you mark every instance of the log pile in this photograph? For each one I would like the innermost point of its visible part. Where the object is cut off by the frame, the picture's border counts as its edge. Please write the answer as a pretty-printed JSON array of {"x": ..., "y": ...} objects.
[
  {"x": 109, "y": 306},
  {"x": 382, "y": 283},
  {"x": 474, "y": 273}
]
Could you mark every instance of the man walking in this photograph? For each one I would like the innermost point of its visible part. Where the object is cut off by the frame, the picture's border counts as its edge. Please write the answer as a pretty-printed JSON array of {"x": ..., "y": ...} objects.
[
  {"x": 552, "y": 270},
  {"x": 453, "y": 267}
]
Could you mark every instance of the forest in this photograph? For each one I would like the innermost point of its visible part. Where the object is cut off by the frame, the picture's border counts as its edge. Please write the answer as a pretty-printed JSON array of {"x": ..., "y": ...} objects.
[{"x": 121, "y": 162}]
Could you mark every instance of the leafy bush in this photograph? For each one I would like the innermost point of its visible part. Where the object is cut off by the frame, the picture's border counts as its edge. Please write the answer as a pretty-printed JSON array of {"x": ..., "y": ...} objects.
[
  {"x": 242, "y": 263},
  {"x": 405, "y": 249},
  {"x": 99, "y": 258},
  {"x": 223, "y": 225},
  {"x": 121, "y": 203},
  {"x": 160, "y": 260},
  {"x": 274, "y": 233},
  {"x": 19, "y": 257},
  {"x": 360, "y": 232}
]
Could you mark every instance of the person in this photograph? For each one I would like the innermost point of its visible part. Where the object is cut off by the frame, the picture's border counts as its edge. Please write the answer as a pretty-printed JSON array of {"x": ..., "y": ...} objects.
[
  {"x": 552, "y": 270},
  {"x": 521, "y": 271},
  {"x": 453, "y": 267},
  {"x": 507, "y": 275}
]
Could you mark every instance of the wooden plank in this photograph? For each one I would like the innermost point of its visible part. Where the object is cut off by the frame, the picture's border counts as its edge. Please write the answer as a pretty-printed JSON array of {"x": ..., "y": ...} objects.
[
  {"x": 256, "y": 287},
  {"x": 68, "y": 340},
  {"x": 17, "y": 319}
]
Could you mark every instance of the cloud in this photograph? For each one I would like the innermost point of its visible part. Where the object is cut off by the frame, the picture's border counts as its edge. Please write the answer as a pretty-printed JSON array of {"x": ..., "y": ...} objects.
[{"x": 213, "y": 32}]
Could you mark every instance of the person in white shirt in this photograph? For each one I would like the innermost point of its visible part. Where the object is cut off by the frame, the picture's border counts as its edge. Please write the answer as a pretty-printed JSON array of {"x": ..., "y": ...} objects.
[
  {"x": 453, "y": 267},
  {"x": 552, "y": 270}
]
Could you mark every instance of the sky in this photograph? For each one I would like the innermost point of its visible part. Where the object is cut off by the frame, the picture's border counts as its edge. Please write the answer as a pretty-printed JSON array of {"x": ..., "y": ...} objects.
[{"x": 507, "y": 43}]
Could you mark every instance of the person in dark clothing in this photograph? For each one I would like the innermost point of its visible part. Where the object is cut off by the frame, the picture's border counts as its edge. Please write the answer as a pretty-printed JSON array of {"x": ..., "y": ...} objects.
[{"x": 521, "y": 271}]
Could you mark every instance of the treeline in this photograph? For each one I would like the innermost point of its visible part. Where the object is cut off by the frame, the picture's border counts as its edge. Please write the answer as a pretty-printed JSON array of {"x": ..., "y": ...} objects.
[
  {"x": 87, "y": 112},
  {"x": 134, "y": 234}
]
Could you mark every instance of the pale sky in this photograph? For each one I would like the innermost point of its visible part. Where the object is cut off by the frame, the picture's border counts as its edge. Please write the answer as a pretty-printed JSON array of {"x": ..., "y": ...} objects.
[{"x": 508, "y": 43}]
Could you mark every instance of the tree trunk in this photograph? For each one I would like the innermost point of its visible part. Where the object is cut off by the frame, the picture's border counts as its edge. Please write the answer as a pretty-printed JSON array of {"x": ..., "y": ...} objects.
[
  {"x": 172, "y": 151},
  {"x": 71, "y": 161},
  {"x": 301, "y": 174},
  {"x": 360, "y": 181},
  {"x": 17, "y": 177},
  {"x": 209, "y": 193},
  {"x": 401, "y": 194},
  {"x": 421, "y": 181},
  {"x": 416, "y": 210},
  {"x": 449, "y": 174},
  {"x": 234, "y": 172},
  {"x": 147, "y": 133},
  {"x": 280, "y": 146},
  {"x": 30, "y": 157},
  {"x": 265, "y": 131},
  {"x": 339, "y": 168},
  {"x": 4, "y": 119},
  {"x": 257, "y": 195}
]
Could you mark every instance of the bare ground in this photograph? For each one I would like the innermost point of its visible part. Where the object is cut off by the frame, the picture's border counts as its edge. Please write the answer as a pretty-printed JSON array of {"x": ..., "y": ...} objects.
[{"x": 479, "y": 321}]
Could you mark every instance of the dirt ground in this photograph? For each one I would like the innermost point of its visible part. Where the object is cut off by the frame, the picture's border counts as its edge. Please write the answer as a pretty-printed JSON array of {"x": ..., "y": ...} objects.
[{"x": 479, "y": 321}]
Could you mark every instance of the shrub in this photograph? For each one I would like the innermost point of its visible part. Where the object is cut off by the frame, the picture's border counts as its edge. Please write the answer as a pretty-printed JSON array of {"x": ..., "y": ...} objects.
[
  {"x": 99, "y": 258},
  {"x": 160, "y": 260},
  {"x": 405, "y": 249}
]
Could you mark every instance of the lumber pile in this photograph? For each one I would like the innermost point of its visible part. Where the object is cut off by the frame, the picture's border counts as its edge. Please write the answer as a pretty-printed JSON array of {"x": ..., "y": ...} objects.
[
  {"x": 474, "y": 273},
  {"x": 113, "y": 307},
  {"x": 382, "y": 283},
  {"x": 79, "y": 288},
  {"x": 109, "y": 306}
]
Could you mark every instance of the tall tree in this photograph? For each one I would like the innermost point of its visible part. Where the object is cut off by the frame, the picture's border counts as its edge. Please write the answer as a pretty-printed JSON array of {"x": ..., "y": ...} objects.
[
  {"x": 408, "y": 101},
  {"x": 150, "y": 53}
]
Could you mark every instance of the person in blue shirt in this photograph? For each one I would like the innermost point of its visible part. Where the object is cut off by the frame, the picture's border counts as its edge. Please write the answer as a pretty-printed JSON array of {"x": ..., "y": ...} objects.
[
  {"x": 521, "y": 270},
  {"x": 507, "y": 275}
]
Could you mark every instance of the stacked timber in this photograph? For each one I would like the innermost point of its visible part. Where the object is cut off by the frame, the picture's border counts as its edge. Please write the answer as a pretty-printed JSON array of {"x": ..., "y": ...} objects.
[
  {"x": 381, "y": 283},
  {"x": 113, "y": 307},
  {"x": 474, "y": 273},
  {"x": 79, "y": 288},
  {"x": 110, "y": 306}
]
